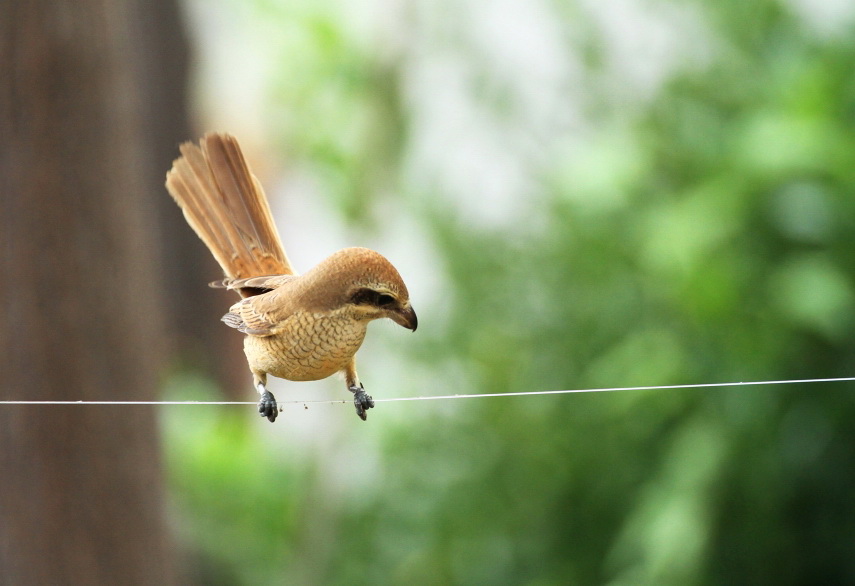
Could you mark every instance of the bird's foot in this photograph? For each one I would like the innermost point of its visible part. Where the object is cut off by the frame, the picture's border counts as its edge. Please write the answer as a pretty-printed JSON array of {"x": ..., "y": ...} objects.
[
  {"x": 361, "y": 400},
  {"x": 267, "y": 406}
]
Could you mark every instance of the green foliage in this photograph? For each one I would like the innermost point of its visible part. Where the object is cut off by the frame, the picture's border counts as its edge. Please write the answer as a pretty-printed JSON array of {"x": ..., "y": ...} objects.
[
  {"x": 229, "y": 491},
  {"x": 702, "y": 235},
  {"x": 334, "y": 102}
]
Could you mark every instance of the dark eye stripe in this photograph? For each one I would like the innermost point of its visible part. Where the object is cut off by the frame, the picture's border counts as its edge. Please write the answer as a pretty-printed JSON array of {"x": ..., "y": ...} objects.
[{"x": 371, "y": 297}]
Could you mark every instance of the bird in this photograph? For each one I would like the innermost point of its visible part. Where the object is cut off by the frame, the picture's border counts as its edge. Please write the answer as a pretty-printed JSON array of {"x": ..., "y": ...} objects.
[{"x": 298, "y": 327}]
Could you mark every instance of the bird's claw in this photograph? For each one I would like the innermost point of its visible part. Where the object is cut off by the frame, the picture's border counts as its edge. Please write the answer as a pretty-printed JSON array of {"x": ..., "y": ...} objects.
[
  {"x": 361, "y": 400},
  {"x": 267, "y": 406}
]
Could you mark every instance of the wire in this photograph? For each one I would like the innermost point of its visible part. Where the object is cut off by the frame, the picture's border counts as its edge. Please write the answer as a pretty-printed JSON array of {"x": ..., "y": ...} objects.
[{"x": 447, "y": 397}]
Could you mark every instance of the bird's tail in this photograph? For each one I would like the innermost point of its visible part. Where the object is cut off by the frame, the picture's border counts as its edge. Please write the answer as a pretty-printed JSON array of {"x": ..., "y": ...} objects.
[{"x": 226, "y": 207}]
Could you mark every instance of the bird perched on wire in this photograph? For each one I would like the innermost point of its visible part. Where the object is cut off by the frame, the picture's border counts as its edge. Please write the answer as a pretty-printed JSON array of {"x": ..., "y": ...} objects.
[{"x": 298, "y": 327}]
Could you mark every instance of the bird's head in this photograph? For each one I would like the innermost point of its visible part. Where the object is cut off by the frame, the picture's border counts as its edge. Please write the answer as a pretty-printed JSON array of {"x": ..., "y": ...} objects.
[{"x": 364, "y": 283}]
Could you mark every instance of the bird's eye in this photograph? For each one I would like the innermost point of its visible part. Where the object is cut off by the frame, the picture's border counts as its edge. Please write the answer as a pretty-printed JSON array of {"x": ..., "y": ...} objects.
[{"x": 371, "y": 297}]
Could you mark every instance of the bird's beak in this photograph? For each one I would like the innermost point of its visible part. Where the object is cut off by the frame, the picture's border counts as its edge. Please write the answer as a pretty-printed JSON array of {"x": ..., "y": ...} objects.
[{"x": 405, "y": 317}]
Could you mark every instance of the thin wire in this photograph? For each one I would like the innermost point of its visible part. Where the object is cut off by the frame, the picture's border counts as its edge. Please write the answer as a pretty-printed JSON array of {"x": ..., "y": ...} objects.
[{"x": 445, "y": 397}]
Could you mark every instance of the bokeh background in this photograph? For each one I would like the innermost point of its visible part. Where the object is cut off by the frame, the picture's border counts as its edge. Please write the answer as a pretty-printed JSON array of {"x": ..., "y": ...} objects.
[{"x": 579, "y": 194}]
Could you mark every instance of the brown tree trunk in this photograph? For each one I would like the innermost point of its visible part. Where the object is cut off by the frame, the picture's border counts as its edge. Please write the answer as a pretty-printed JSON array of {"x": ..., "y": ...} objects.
[
  {"x": 81, "y": 495},
  {"x": 198, "y": 340}
]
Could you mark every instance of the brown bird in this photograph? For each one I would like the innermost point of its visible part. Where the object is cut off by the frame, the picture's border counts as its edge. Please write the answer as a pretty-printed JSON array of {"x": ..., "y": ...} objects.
[{"x": 298, "y": 327}]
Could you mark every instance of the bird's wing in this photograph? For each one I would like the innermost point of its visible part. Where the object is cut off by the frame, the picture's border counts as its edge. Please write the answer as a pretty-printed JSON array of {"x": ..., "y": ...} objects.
[
  {"x": 264, "y": 283},
  {"x": 261, "y": 315}
]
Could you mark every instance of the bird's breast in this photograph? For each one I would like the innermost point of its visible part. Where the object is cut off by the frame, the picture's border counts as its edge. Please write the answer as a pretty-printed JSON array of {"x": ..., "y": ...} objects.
[{"x": 309, "y": 346}]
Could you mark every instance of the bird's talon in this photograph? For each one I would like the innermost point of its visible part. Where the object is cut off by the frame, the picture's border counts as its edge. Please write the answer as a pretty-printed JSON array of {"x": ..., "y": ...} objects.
[
  {"x": 361, "y": 400},
  {"x": 267, "y": 406}
]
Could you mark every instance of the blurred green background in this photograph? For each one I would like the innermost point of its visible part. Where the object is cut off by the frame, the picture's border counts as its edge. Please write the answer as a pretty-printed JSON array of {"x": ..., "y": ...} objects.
[{"x": 579, "y": 194}]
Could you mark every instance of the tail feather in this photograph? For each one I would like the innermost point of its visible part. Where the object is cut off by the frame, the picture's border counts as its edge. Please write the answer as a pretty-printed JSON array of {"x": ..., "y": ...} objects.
[{"x": 225, "y": 205}]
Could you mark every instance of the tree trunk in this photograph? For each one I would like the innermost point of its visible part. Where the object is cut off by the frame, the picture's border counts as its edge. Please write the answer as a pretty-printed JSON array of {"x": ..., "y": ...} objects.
[
  {"x": 199, "y": 339},
  {"x": 81, "y": 492}
]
